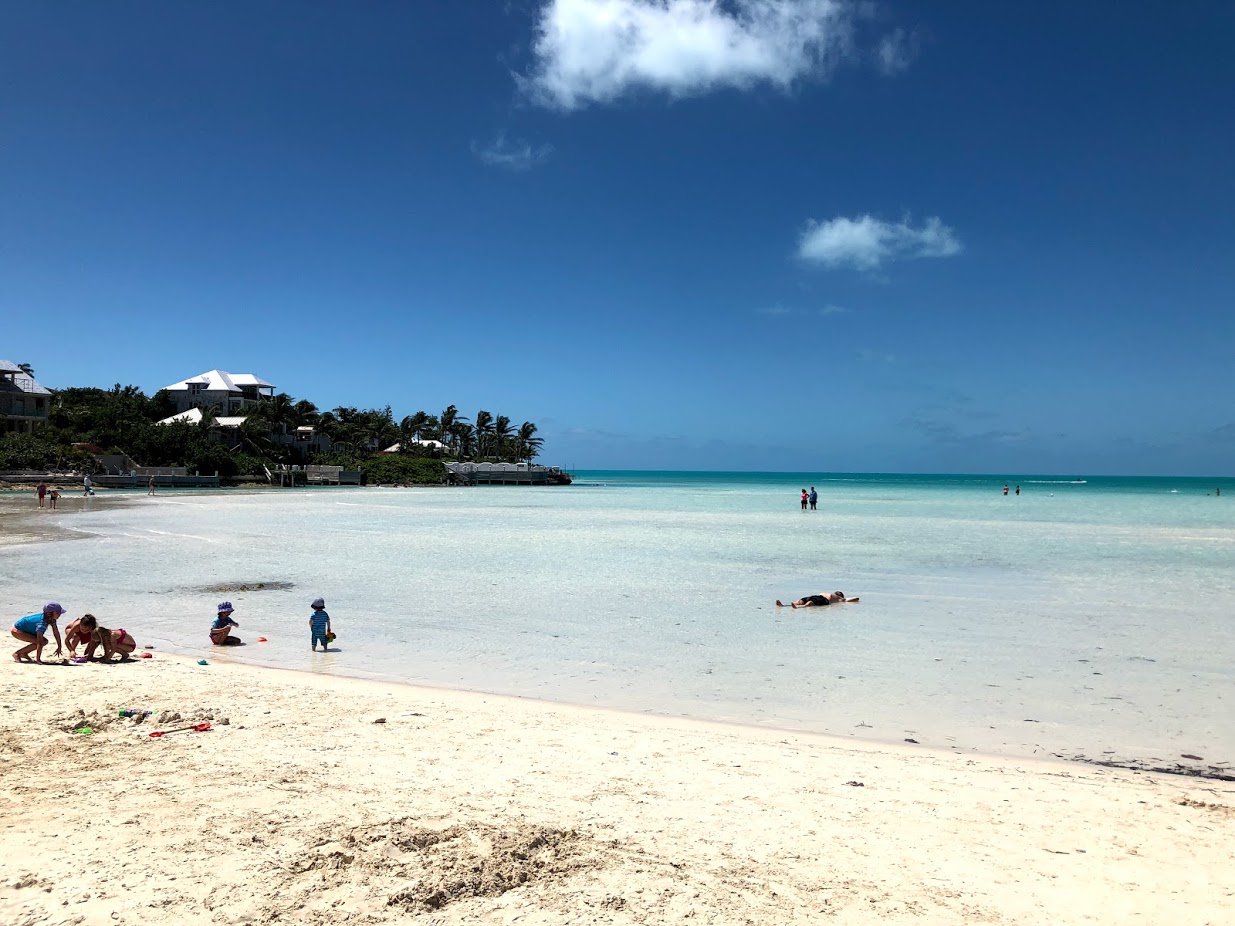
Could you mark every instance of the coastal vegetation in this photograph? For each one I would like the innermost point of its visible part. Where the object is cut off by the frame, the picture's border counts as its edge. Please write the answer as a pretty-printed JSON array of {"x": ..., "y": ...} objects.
[{"x": 86, "y": 422}]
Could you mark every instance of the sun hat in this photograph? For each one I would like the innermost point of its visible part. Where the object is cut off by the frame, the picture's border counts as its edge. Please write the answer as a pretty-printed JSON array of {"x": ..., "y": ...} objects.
[
  {"x": 53, "y": 607},
  {"x": 318, "y": 603},
  {"x": 225, "y": 607}
]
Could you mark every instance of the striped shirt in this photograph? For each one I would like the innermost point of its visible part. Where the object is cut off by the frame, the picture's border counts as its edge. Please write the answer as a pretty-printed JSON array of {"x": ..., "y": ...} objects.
[{"x": 318, "y": 621}]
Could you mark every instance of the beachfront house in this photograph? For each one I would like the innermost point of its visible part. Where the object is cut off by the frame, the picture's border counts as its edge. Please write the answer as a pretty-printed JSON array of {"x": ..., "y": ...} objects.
[
  {"x": 23, "y": 402},
  {"x": 229, "y": 393},
  {"x": 306, "y": 439}
]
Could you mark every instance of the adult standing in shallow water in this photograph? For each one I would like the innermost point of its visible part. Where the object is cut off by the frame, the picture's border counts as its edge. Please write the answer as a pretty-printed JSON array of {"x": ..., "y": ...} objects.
[
  {"x": 32, "y": 631},
  {"x": 42, "y": 490},
  {"x": 814, "y": 498},
  {"x": 805, "y": 499}
]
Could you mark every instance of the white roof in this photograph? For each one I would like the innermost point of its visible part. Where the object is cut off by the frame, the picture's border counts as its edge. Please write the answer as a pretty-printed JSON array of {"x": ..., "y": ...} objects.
[
  {"x": 194, "y": 416},
  {"x": 432, "y": 444},
  {"x": 21, "y": 379},
  {"x": 219, "y": 381}
]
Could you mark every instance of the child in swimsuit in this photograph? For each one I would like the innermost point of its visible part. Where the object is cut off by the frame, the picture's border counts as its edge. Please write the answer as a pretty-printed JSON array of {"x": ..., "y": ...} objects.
[
  {"x": 319, "y": 624},
  {"x": 114, "y": 643},
  {"x": 32, "y": 631},
  {"x": 220, "y": 630},
  {"x": 80, "y": 633}
]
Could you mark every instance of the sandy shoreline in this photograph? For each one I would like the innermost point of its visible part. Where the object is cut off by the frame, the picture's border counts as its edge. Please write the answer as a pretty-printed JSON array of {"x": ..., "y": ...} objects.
[{"x": 463, "y": 807}]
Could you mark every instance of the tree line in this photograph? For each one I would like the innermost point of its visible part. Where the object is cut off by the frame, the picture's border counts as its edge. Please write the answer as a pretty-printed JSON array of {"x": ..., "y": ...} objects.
[{"x": 124, "y": 419}]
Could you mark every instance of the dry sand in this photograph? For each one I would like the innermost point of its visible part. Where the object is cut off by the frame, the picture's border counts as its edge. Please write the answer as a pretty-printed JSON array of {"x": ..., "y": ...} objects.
[{"x": 466, "y": 808}]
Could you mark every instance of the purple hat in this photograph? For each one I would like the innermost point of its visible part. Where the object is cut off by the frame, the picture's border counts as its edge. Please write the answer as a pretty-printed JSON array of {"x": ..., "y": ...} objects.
[
  {"x": 225, "y": 607},
  {"x": 53, "y": 607},
  {"x": 318, "y": 603}
]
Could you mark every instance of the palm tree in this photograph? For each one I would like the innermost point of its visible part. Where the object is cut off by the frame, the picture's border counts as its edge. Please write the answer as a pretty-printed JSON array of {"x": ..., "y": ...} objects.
[
  {"x": 483, "y": 428},
  {"x": 278, "y": 411},
  {"x": 209, "y": 413},
  {"x": 29, "y": 371},
  {"x": 411, "y": 427},
  {"x": 253, "y": 436},
  {"x": 463, "y": 437},
  {"x": 529, "y": 444},
  {"x": 306, "y": 413},
  {"x": 446, "y": 421},
  {"x": 502, "y": 433}
]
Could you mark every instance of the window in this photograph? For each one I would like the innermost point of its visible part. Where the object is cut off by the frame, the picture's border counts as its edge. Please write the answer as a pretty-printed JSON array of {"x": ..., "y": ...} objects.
[
  {"x": 38, "y": 405},
  {"x": 195, "y": 388}
]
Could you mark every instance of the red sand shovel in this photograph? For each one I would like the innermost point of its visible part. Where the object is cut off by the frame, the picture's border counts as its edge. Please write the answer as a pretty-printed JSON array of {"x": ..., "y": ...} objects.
[{"x": 198, "y": 727}]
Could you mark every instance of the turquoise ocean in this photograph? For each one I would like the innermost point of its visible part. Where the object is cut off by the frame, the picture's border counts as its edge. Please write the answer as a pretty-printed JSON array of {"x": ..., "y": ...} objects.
[{"x": 1088, "y": 616}]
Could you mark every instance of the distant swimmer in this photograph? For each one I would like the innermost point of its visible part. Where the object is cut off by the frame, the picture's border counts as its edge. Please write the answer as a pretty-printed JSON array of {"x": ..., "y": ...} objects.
[
  {"x": 1018, "y": 490},
  {"x": 819, "y": 601},
  {"x": 1005, "y": 488}
]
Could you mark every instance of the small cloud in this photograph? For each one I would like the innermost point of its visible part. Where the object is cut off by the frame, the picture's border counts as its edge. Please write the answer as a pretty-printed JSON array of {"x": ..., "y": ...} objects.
[
  {"x": 867, "y": 242},
  {"x": 874, "y": 356},
  {"x": 781, "y": 310},
  {"x": 896, "y": 52},
  {"x": 596, "y": 51},
  {"x": 512, "y": 153}
]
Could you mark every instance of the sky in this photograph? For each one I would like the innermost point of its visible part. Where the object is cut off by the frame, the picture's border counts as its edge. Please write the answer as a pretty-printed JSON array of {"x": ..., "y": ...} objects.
[{"x": 786, "y": 235}]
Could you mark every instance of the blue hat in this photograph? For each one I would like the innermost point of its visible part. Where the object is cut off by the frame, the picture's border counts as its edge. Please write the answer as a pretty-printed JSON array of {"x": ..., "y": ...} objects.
[
  {"x": 53, "y": 607},
  {"x": 225, "y": 606},
  {"x": 318, "y": 603}
]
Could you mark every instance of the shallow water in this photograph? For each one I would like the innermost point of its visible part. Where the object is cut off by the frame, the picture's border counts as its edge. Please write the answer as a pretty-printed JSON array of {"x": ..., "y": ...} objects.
[{"x": 1085, "y": 618}]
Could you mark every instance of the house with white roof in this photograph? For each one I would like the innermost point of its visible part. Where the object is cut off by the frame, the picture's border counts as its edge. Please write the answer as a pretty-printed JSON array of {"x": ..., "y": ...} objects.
[
  {"x": 23, "y": 402},
  {"x": 229, "y": 393}
]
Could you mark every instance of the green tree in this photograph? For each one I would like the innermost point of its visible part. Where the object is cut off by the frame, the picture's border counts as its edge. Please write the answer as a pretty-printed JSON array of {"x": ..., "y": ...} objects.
[
  {"x": 503, "y": 433},
  {"x": 483, "y": 430},
  {"x": 528, "y": 443}
]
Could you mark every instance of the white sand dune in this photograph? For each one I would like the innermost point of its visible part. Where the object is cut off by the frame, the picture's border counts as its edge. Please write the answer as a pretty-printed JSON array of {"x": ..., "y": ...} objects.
[{"x": 464, "y": 808}]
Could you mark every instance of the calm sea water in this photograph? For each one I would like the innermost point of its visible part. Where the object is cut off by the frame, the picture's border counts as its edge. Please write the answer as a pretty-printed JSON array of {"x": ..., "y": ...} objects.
[{"x": 1081, "y": 618}]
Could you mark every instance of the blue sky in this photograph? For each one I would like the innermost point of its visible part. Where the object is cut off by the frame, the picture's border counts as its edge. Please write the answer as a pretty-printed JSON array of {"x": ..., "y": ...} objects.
[{"x": 753, "y": 235}]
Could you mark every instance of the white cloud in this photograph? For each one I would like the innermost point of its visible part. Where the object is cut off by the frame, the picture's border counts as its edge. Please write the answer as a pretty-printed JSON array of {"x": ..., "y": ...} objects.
[
  {"x": 595, "y": 51},
  {"x": 511, "y": 153},
  {"x": 875, "y": 356},
  {"x": 896, "y": 52},
  {"x": 867, "y": 242},
  {"x": 779, "y": 309}
]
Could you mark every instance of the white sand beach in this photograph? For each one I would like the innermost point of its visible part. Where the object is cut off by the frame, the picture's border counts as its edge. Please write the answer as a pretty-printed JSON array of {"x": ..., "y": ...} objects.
[{"x": 299, "y": 806}]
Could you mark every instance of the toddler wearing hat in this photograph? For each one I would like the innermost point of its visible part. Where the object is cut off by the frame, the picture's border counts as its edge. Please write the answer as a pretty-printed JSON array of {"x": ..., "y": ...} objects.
[
  {"x": 319, "y": 624},
  {"x": 32, "y": 631},
  {"x": 220, "y": 630}
]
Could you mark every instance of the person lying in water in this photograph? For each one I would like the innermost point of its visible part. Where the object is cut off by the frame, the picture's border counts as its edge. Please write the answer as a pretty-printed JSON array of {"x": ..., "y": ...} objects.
[{"x": 818, "y": 601}]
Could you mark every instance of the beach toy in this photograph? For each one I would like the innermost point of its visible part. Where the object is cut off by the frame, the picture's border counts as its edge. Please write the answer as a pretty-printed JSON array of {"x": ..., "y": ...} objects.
[
  {"x": 80, "y": 659},
  {"x": 196, "y": 728},
  {"x": 330, "y": 637},
  {"x": 84, "y": 731},
  {"x": 202, "y": 662},
  {"x": 262, "y": 640},
  {"x": 146, "y": 656}
]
